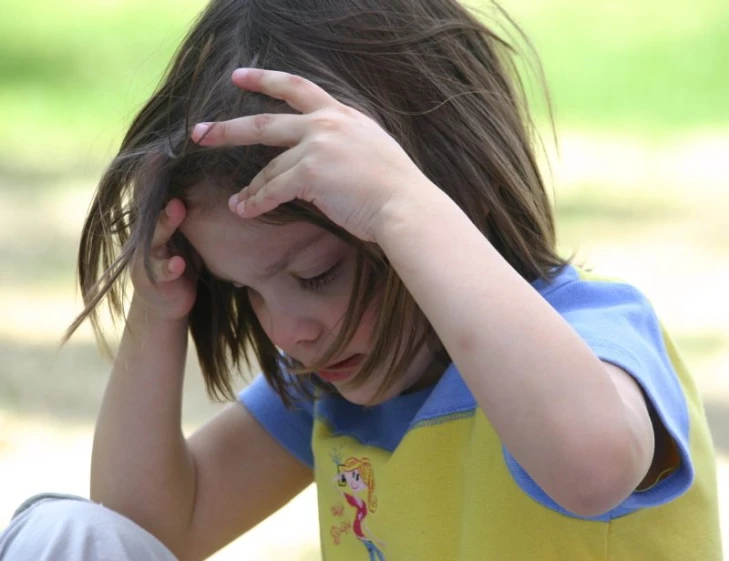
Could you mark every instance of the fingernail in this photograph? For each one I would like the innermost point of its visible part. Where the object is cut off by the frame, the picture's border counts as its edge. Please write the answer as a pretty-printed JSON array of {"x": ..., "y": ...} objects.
[
  {"x": 199, "y": 130},
  {"x": 233, "y": 202},
  {"x": 241, "y": 208},
  {"x": 240, "y": 73},
  {"x": 167, "y": 208}
]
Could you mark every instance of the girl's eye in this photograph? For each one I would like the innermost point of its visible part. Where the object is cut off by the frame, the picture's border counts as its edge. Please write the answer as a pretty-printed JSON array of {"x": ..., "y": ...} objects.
[{"x": 320, "y": 281}]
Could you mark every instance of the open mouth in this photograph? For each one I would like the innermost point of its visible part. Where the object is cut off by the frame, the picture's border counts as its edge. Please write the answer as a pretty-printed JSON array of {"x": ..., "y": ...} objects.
[{"x": 340, "y": 370}]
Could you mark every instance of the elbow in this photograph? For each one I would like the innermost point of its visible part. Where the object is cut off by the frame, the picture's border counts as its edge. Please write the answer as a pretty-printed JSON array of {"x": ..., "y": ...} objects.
[
  {"x": 601, "y": 482},
  {"x": 592, "y": 498}
]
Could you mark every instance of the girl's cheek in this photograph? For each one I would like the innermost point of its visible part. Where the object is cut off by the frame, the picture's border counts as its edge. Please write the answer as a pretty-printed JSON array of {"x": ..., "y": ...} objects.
[
  {"x": 259, "y": 309},
  {"x": 345, "y": 282}
]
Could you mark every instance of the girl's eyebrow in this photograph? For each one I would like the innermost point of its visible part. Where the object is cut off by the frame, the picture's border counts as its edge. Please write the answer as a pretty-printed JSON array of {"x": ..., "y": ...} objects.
[
  {"x": 280, "y": 264},
  {"x": 289, "y": 256}
]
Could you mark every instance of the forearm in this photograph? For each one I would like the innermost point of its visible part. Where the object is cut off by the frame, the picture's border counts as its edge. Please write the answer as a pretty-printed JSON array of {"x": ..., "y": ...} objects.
[
  {"x": 545, "y": 392},
  {"x": 140, "y": 463}
]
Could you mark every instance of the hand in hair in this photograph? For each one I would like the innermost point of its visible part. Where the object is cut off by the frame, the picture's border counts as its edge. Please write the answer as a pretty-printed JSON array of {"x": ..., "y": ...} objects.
[
  {"x": 171, "y": 293},
  {"x": 338, "y": 159}
]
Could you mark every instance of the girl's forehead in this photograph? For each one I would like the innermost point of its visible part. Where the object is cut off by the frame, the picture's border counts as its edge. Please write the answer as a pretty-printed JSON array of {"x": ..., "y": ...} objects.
[
  {"x": 222, "y": 228},
  {"x": 231, "y": 246}
]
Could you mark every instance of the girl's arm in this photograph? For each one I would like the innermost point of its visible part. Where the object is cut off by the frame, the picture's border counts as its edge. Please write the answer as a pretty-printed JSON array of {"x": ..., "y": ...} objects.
[
  {"x": 578, "y": 426},
  {"x": 197, "y": 495},
  {"x": 140, "y": 463}
]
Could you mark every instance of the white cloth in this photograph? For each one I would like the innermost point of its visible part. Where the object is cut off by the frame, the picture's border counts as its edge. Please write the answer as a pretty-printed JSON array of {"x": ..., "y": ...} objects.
[{"x": 53, "y": 527}]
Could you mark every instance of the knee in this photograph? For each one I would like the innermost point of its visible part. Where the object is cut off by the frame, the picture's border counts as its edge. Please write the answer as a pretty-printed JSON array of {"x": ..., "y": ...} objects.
[
  {"x": 70, "y": 517},
  {"x": 77, "y": 530}
]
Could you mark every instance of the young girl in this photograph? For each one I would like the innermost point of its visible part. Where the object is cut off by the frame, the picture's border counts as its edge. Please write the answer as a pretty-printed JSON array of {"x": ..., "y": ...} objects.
[{"x": 360, "y": 210}]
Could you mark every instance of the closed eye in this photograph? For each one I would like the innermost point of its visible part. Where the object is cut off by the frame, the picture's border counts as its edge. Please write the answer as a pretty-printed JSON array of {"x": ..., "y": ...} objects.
[
  {"x": 320, "y": 281},
  {"x": 312, "y": 283}
]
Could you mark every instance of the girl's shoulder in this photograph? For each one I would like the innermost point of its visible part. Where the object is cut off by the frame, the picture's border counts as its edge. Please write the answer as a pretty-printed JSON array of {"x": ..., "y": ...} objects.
[{"x": 573, "y": 290}]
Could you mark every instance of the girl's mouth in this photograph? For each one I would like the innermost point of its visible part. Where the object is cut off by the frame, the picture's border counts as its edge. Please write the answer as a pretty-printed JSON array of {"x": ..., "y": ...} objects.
[{"x": 340, "y": 370}]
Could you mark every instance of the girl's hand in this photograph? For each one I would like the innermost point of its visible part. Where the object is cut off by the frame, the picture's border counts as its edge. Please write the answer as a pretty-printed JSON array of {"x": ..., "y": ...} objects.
[
  {"x": 338, "y": 159},
  {"x": 174, "y": 294}
]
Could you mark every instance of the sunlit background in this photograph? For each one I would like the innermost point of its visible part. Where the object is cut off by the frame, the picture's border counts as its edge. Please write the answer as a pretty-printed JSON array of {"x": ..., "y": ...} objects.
[{"x": 641, "y": 183}]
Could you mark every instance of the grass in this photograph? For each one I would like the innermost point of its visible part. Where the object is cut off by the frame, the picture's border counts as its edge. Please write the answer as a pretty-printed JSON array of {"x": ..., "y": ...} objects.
[
  {"x": 641, "y": 66},
  {"x": 73, "y": 73}
]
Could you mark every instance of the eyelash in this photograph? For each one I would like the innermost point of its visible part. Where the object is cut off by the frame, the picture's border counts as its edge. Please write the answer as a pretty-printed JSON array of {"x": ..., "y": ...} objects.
[
  {"x": 320, "y": 281},
  {"x": 314, "y": 283}
]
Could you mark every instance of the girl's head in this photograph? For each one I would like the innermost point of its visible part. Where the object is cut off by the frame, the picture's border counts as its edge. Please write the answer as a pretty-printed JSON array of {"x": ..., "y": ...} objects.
[
  {"x": 357, "y": 474},
  {"x": 440, "y": 82},
  {"x": 297, "y": 279}
]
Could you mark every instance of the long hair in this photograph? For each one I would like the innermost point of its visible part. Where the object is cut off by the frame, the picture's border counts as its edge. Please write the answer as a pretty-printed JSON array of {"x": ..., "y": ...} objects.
[{"x": 435, "y": 77}]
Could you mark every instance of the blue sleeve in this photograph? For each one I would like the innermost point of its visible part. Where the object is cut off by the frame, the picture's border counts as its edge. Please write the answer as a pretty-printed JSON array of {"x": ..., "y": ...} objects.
[
  {"x": 291, "y": 428},
  {"x": 620, "y": 326}
]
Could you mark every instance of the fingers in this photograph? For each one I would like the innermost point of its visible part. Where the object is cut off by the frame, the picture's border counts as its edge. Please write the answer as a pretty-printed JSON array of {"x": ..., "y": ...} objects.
[
  {"x": 162, "y": 269},
  {"x": 167, "y": 268},
  {"x": 282, "y": 189},
  {"x": 283, "y": 130},
  {"x": 299, "y": 93},
  {"x": 276, "y": 167},
  {"x": 170, "y": 219}
]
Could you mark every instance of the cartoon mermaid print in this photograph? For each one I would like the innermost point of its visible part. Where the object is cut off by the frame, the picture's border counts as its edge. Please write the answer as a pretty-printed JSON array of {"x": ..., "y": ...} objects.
[{"x": 357, "y": 475}]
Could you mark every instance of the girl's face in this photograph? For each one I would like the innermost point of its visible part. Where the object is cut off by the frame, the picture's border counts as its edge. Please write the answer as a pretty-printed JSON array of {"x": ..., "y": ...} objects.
[{"x": 299, "y": 280}]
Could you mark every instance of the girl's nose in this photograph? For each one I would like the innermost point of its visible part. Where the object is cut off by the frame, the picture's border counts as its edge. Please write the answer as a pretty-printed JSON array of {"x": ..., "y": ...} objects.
[{"x": 290, "y": 332}]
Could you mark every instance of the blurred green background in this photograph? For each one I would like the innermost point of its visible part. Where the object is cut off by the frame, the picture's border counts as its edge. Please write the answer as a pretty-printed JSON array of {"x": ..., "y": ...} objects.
[{"x": 640, "y": 179}]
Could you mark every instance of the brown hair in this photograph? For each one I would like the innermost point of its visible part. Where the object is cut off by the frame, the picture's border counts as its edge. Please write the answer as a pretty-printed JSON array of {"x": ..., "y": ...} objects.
[{"x": 429, "y": 72}]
